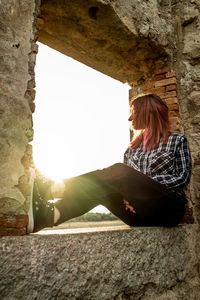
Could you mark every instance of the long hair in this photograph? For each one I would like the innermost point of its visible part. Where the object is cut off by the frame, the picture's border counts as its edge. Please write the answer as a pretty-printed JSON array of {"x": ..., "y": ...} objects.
[{"x": 150, "y": 115}]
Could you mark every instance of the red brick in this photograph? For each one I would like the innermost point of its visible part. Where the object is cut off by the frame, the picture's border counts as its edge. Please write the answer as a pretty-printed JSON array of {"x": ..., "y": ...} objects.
[
  {"x": 13, "y": 221},
  {"x": 197, "y": 162},
  {"x": 171, "y": 74},
  {"x": 171, "y": 87},
  {"x": 159, "y": 77},
  {"x": 174, "y": 120},
  {"x": 171, "y": 100},
  {"x": 158, "y": 91},
  {"x": 173, "y": 106},
  {"x": 148, "y": 85},
  {"x": 173, "y": 113},
  {"x": 13, "y": 231},
  {"x": 168, "y": 95},
  {"x": 165, "y": 82},
  {"x": 162, "y": 71}
]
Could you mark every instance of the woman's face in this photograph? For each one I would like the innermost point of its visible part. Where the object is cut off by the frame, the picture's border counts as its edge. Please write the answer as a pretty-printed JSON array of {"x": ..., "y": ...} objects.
[
  {"x": 132, "y": 118},
  {"x": 134, "y": 121}
]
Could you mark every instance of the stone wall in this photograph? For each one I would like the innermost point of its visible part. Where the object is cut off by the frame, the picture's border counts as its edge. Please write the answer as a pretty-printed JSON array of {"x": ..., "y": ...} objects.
[
  {"x": 109, "y": 36},
  {"x": 17, "y": 56},
  {"x": 187, "y": 67},
  {"x": 139, "y": 263},
  {"x": 162, "y": 83}
]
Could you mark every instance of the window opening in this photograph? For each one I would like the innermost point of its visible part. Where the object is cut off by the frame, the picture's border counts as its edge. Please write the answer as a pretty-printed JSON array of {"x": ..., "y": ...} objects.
[{"x": 80, "y": 122}]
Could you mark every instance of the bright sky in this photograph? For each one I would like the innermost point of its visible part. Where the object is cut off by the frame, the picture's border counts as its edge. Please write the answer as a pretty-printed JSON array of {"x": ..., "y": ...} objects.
[{"x": 81, "y": 118}]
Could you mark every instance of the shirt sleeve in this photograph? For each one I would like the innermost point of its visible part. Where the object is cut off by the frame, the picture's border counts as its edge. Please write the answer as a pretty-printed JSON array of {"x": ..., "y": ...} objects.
[
  {"x": 125, "y": 160},
  {"x": 183, "y": 166}
]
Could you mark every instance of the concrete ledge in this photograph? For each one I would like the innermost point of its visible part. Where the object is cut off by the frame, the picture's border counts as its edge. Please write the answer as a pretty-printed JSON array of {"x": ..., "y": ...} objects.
[{"x": 138, "y": 263}]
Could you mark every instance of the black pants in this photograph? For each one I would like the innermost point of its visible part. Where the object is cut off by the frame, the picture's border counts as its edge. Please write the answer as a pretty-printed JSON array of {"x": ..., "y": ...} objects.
[{"x": 153, "y": 204}]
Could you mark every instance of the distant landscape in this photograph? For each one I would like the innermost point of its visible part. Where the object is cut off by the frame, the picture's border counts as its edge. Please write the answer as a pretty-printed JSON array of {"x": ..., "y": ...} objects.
[
  {"x": 92, "y": 220},
  {"x": 94, "y": 217}
]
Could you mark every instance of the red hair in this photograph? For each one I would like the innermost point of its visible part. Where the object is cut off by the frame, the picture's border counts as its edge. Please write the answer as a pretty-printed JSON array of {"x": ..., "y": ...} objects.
[{"x": 150, "y": 114}]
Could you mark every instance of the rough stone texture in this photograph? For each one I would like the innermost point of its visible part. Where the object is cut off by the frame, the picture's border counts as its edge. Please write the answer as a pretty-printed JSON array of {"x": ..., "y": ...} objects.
[
  {"x": 17, "y": 57},
  {"x": 113, "y": 37},
  {"x": 187, "y": 67},
  {"x": 141, "y": 263},
  {"x": 16, "y": 33}
]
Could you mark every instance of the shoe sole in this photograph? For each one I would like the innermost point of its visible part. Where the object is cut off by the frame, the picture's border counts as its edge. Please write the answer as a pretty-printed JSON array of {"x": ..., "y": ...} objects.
[{"x": 30, "y": 226}]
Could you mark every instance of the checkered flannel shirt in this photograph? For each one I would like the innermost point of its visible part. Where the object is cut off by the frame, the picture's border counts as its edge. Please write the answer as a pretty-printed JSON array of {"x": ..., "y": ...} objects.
[{"x": 169, "y": 164}]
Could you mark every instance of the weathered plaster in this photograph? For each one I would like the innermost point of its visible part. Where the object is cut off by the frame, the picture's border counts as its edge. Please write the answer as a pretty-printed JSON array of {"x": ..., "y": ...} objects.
[{"x": 16, "y": 34}]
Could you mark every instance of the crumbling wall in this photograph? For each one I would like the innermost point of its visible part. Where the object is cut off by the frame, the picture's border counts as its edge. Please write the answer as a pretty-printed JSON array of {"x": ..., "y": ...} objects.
[
  {"x": 17, "y": 58},
  {"x": 187, "y": 67},
  {"x": 109, "y": 36},
  {"x": 129, "y": 40}
]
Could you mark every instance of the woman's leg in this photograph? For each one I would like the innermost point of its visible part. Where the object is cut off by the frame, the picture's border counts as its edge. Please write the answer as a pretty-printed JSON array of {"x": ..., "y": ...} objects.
[
  {"x": 110, "y": 187},
  {"x": 152, "y": 204},
  {"x": 82, "y": 193}
]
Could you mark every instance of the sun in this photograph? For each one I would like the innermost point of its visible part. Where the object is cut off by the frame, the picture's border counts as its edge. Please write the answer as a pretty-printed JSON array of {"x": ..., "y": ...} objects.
[
  {"x": 80, "y": 121},
  {"x": 51, "y": 162}
]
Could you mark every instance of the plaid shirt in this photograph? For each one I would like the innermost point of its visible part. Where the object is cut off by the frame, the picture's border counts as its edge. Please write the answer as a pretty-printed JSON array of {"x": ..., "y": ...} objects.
[{"x": 169, "y": 164}]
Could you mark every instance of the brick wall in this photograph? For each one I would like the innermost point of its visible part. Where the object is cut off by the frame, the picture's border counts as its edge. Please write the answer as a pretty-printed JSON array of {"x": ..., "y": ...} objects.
[
  {"x": 13, "y": 225},
  {"x": 163, "y": 83}
]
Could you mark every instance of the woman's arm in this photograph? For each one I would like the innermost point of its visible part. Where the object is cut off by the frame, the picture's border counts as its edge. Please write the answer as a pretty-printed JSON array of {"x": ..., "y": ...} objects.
[{"x": 183, "y": 168}]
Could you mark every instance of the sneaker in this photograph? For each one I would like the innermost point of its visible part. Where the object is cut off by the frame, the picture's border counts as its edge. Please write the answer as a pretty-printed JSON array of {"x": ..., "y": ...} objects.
[{"x": 41, "y": 212}]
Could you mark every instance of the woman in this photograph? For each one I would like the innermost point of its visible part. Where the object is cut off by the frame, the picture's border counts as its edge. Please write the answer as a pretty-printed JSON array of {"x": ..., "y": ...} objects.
[{"x": 147, "y": 190}]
